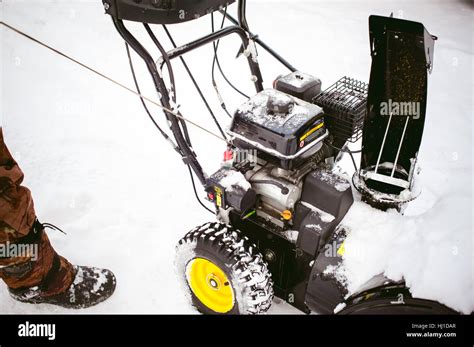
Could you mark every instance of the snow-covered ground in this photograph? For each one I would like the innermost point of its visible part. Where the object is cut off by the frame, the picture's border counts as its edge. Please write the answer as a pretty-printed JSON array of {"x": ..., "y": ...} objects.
[{"x": 99, "y": 170}]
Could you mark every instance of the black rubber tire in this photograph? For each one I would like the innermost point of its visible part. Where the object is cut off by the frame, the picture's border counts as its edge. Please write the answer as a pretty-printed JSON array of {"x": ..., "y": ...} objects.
[
  {"x": 237, "y": 257},
  {"x": 386, "y": 306}
]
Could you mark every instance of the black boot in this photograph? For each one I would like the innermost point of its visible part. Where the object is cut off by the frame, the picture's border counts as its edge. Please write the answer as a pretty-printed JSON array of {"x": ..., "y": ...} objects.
[{"x": 90, "y": 287}]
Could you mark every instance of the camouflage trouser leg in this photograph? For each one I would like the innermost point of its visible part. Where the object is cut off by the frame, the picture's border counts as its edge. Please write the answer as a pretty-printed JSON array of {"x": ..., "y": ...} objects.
[{"x": 46, "y": 269}]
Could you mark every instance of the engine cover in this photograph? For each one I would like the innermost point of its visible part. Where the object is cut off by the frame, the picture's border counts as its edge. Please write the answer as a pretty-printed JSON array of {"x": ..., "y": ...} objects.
[
  {"x": 325, "y": 200},
  {"x": 282, "y": 128}
]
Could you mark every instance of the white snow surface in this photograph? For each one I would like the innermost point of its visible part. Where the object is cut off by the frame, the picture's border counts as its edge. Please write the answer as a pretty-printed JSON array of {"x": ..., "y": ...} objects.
[
  {"x": 99, "y": 170},
  {"x": 234, "y": 178}
]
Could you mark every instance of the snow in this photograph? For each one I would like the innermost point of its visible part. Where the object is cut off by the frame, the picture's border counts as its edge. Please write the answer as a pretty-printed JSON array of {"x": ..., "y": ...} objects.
[
  {"x": 299, "y": 79},
  {"x": 181, "y": 266},
  {"x": 99, "y": 170},
  {"x": 325, "y": 217},
  {"x": 233, "y": 178},
  {"x": 292, "y": 235},
  {"x": 428, "y": 251},
  {"x": 339, "y": 307},
  {"x": 313, "y": 226},
  {"x": 334, "y": 179},
  {"x": 299, "y": 113},
  {"x": 339, "y": 273}
]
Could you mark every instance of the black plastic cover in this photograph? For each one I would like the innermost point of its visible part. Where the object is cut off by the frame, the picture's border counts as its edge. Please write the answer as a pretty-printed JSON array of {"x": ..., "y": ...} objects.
[
  {"x": 325, "y": 290},
  {"x": 402, "y": 54},
  {"x": 325, "y": 200},
  {"x": 300, "y": 85},
  {"x": 234, "y": 195},
  {"x": 162, "y": 11},
  {"x": 278, "y": 124}
]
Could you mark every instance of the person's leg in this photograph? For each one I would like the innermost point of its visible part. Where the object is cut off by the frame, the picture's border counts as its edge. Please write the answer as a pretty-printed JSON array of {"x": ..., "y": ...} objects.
[
  {"x": 45, "y": 274},
  {"x": 17, "y": 225}
]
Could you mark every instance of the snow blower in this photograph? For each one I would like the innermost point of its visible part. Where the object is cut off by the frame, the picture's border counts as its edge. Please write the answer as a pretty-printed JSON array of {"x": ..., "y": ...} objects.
[{"x": 279, "y": 197}]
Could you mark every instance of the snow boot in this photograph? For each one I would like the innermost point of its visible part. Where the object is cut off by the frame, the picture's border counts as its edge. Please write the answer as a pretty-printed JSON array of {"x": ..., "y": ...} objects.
[{"x": 89, "y": 287}]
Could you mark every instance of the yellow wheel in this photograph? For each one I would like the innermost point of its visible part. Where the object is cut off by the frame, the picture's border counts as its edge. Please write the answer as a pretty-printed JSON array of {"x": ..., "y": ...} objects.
[
  {"x": 210, "y": 285},
  {"x": 223, "y": 272}
]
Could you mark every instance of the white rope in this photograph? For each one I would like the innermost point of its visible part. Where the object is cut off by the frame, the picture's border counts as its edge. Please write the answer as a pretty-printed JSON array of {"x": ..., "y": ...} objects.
[{"x": 112, "y": 80}]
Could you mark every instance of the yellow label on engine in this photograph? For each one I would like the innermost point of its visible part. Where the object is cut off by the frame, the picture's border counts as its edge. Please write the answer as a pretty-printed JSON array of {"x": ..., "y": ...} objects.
[
  {"x": 312, "y": 130},
  {"x": 218, "y": 196}
]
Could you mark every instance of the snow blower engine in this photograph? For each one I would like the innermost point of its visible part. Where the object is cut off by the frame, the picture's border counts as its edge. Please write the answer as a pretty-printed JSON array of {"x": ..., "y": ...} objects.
[{"x": 280, "y": 194}]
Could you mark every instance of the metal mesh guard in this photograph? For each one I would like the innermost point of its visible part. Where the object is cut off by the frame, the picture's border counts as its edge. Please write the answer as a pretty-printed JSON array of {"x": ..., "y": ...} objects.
[{"x": 344, "y": 105}]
